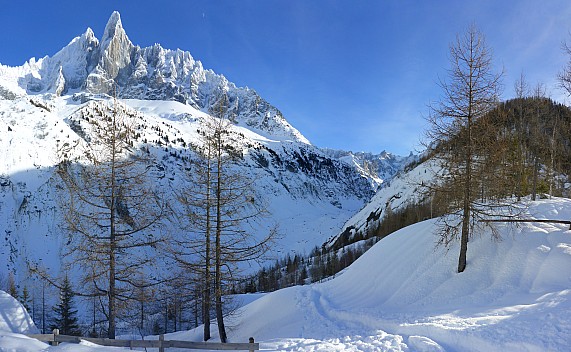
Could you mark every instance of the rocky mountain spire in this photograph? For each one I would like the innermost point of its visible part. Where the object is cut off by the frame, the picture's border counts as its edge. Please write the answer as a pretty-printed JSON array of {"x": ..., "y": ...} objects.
[
  {"x": 114, "y": 32},
  {"x": 114, "y": 59},
  {"x": 155, "y": 73}
]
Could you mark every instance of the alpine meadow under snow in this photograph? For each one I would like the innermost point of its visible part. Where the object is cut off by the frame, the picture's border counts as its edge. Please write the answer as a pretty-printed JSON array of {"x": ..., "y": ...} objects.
[{"x": 213, "y": 192}]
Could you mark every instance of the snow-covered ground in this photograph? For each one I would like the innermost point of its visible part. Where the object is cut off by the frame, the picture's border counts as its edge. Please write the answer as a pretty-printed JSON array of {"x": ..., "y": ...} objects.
[{"x": 405, "y": 295}]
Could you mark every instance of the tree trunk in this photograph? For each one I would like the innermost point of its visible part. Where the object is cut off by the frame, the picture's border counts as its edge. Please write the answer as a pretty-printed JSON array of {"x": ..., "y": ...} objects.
[
  {"x": 112, "y": 293},
  {"x": 467, "y": 192},
  {"x": 535, "y": 166},
  {"x": 464, "y": 241},
  {"x": 112, "y": 244},
  {"x": 218, "y": 284},
  {"x": 207, "y": 294}
]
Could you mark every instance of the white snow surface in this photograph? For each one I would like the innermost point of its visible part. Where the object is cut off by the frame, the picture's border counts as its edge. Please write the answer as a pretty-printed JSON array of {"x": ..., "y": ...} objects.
[{"x": 404, "y": 294}]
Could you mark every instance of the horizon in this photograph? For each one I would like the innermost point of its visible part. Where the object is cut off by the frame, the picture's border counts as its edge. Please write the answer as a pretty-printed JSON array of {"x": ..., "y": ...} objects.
[{"x": 355, "y": 77}]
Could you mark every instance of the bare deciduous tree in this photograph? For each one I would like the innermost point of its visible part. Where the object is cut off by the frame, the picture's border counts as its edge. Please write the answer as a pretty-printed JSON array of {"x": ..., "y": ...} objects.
[
  {"x": 223, "y": 209},
  {"x": 470, "y": 92},
  {"x": 111, "y": 210}
]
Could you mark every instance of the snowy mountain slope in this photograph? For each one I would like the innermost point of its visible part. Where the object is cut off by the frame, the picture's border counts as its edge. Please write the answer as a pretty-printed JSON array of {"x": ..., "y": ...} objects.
[
  {"x": 401, "y": 190},
  {"x": 309, "y": 193},
  {"x": 405, "y": 295}
]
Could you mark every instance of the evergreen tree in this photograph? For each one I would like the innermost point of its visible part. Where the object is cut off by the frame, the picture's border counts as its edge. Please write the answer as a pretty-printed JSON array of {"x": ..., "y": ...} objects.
[
  {"x": 26, "y": 298},
  {"x": 65, "y": 316},
  {"x": 12, "y": 289},
  {"x": 111, "y": 210},
  {"x": 470, "y": 93}
]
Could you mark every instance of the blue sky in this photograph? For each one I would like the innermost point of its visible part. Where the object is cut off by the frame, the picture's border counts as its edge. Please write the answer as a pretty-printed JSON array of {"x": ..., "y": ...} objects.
[{"x": 353, "y": 75}]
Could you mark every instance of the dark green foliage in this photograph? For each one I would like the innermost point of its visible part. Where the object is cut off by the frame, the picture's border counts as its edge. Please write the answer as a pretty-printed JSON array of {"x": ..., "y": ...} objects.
[
  {"x": 526, "y": 133},
  {"x": 12, "y": 289},
  {"x": 65, "y": 315}
]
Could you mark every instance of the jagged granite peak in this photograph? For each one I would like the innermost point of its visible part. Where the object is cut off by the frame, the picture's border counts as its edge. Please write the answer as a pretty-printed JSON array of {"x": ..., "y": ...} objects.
[
  {"x": 113, "y": 29},
  {"x": 67, "y": 70},
  {"x": 376, "y": 167},
  {"x": 114, "y": 58},
  {"x": 90, "y": 66}
]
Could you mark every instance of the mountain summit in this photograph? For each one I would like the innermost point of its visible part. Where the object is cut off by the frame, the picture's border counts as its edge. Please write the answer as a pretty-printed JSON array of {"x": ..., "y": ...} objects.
[
  {"x": 113, "y": 59},
  {"x": 95, "y": 66}
]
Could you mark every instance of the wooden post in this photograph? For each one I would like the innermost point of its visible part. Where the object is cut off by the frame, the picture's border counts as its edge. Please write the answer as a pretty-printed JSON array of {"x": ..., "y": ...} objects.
[
  {"x": 251, "y": 340},
  {"x": 161, "y": 339},
  {"x": 56, "y": 333}
]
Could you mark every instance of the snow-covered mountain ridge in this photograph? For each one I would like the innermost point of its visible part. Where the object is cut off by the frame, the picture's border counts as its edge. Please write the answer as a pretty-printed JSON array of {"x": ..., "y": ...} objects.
[
  {"x": 310, "y": 192},
  {"x": 100, "y": 66},
  {"x": 379, "y": 167}
]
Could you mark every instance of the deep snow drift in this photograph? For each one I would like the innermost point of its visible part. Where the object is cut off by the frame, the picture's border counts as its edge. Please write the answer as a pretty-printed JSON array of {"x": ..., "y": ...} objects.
[{"x": 405, "y": 295}]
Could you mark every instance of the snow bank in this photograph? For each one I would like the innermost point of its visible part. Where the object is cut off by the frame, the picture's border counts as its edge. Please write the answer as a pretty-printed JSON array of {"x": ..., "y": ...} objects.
[
  {"x": 14, "y": 317},
  {"x": 405, "y": 295},
  {"x": 14, "y": 321}
]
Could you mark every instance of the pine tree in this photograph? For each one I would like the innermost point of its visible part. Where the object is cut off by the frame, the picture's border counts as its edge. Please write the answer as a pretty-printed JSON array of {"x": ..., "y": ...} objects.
[
  {"x": 111, "y": 210},
  {"x": 12, "y": 289},
  {"x": 65, "y": 316},
  {"x": 26, "y": 298}
]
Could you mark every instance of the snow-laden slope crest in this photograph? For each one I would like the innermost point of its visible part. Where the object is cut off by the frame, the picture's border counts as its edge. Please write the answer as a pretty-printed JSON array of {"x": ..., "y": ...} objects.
[{"x": 404, "y": 294}]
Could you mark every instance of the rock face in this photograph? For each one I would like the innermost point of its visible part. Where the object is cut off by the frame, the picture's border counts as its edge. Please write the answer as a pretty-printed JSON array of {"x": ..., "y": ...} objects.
[
  {"x": 100, "y": 67},
  {"x": 112, "y": 58}
]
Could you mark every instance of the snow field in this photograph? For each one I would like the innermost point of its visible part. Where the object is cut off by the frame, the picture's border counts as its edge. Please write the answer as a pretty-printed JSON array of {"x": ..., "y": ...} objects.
[
  {"x": 404, "y": 295},
  {"x": 514, "y": 296}
]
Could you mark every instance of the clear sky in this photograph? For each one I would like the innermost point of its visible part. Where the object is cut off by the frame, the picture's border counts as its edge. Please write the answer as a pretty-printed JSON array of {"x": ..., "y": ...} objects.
[{"x": 355, "y": 75}]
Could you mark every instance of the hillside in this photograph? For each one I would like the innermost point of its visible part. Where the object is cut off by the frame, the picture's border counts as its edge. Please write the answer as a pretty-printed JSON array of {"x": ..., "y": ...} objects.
[
  {"x": 535, "y": 128},
  {"x": 405, "y": 295}
]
